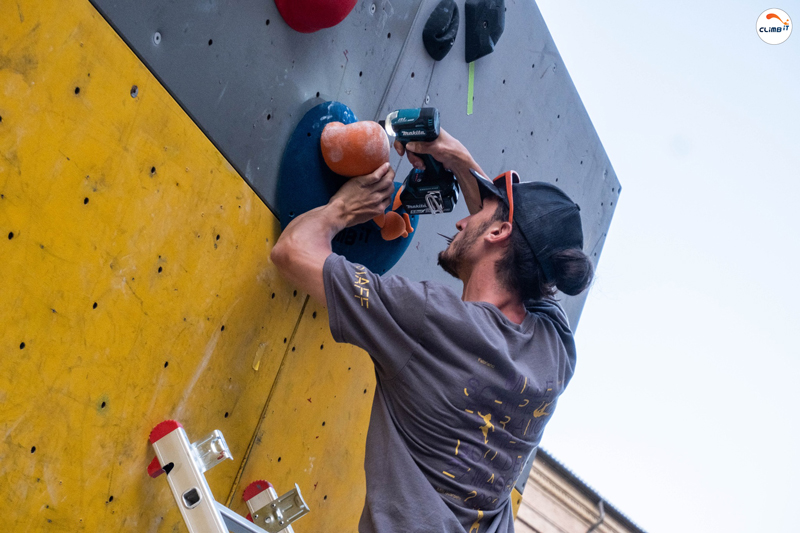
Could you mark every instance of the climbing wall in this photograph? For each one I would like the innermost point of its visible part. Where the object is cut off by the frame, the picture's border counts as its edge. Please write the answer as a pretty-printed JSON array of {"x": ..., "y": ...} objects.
[{"x": 139, "y": 150}]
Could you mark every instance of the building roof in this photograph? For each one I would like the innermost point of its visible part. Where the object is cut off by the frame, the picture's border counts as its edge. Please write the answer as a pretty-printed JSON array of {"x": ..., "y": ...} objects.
[{"x": 586, "y": 490}]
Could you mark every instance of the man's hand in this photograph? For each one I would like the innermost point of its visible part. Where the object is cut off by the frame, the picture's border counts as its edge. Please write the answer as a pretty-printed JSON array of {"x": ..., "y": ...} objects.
[
  {"x": 454, "y": 156},
  {"x": 365, "y": 197},
  {"x": 446, "y": 149}
]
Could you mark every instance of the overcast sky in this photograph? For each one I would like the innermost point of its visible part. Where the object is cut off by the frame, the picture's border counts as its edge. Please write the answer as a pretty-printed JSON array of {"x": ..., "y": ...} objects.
[{"x": 683, "y": 411}]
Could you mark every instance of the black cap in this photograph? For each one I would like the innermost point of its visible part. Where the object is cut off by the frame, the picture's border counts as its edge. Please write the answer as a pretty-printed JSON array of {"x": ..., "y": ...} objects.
[{"x": 546, "y": 217}]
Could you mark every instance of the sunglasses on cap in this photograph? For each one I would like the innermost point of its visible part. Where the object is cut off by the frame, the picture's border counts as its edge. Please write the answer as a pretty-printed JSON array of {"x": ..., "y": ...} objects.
[{"x": 500, "y": 187}]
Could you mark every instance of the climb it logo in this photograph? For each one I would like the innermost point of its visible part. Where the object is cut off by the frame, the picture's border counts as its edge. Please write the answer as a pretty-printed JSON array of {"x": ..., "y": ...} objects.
[{"x": 773, "y": 26}]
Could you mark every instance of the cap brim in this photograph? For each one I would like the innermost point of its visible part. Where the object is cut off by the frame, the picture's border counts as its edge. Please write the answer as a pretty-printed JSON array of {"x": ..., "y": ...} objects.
[{"x": 487, "y": 187}]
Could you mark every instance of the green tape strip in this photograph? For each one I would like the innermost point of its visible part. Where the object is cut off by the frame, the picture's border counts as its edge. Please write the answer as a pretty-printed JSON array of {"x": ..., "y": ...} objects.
[{"x": 471, "y": 89}]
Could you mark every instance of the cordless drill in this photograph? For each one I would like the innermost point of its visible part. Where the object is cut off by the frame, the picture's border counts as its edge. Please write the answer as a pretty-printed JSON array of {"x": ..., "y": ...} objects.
[{"x": 433, "y": 190}]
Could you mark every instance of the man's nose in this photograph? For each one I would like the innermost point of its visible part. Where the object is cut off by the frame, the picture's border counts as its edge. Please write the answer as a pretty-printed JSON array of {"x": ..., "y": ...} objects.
[{"x": 461, "y": 224}]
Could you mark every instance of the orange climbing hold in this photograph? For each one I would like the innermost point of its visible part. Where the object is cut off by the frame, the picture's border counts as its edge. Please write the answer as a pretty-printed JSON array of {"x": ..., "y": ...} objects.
[
  {"x": 393, "y": 227},
  {"x": 354, "y": 149}
]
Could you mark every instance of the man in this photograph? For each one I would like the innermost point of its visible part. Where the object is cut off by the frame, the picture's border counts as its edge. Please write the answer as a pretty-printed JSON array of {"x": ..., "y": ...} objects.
[{"x": 465, "y": 384}]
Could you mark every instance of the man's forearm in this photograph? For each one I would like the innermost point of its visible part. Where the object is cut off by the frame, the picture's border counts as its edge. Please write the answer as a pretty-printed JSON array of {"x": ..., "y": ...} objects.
[
  {"x": 466, "y": 181},
  {"x": 305, "y": 244}
]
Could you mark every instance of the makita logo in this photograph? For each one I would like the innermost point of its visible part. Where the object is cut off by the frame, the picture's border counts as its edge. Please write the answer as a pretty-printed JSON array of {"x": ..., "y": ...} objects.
[{"x": 409, "y": 133}]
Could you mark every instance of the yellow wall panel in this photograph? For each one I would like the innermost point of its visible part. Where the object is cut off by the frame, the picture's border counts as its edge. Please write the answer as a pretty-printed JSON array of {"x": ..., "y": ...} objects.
[
  {"x": 314, "y": 429},
  {"x": 135, "y": 283}
]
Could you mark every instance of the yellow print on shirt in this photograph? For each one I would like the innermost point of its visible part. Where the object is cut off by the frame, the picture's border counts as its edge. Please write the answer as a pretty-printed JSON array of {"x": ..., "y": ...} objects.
[
  {"x": 360, "y": 285},
  {"x": 487, "y": 427},
  {"x": 476, "y": 526}
]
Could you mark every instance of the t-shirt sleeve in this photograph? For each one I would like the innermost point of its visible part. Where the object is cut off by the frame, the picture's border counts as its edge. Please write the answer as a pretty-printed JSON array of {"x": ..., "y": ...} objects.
[{"x": 382, "y": 315}]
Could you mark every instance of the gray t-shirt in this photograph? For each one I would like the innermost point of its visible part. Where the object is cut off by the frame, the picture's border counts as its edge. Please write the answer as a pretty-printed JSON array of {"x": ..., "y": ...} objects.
[{"x": 462, "y": 398}]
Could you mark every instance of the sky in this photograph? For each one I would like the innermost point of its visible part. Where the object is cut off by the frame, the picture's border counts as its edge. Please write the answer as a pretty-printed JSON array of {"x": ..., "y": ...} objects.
[{"x": 683, "y": 409}]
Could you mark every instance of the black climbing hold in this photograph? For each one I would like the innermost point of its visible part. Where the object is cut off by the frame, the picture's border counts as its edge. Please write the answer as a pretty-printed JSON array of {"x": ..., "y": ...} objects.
[
  {"x": 485, "y": 22},
  {"x": 440, "y": 31}
]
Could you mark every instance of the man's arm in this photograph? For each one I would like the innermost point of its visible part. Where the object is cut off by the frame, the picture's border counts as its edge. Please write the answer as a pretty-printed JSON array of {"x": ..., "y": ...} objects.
[
  {"x": 453, "y": 155},
  {"x": 305, "y": 244}
]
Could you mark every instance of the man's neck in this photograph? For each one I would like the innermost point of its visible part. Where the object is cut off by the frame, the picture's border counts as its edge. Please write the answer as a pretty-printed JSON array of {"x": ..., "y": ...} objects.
[{"x": 481, "y": 285}]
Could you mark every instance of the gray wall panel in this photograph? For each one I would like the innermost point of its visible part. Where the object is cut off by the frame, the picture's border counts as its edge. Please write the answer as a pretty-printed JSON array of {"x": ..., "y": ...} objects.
[{"x": 247, "y": 89}]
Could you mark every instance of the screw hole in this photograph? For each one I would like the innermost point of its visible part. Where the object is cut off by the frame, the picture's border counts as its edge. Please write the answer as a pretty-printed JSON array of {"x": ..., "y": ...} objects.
[
  {"x": 152, "y": 170},
  {"x": 210, "y": 42},
  {"x": 22, "y": 346},
  {"x": 279, "y": 459},
  {"x": 77, "y": 90},
  {"x": 134, "y": 91},
  {"x": 360, "y": 73},
  {"x": 217, "y": 237},
  {"x": 103, "y": 405},
  {"x": 226, "y": 415},
  {"x": 321, "y": 346},
  {"x": 284, "y": 340},
  {"x": 326, "y": 497},
  {"x": 294, "y": 293},
  {"x": 85, "y": 201},
  {"x": 159, "y": 270},
  {"x": 269, "y": 117},
  {"x": 292, "y": 348},
  {"x": 166, "y": 364},
  {"x": 222, "y": 328},
  {"x": 267, "y": 22},
  {"x": 323, "y": 424},
  {"x": 314, "y": 314},
  {"x": 10, "y": 235},
  {"x": 389, "y": 35},
  {"x": 94, "y": 305},
  {"x": 412, "y": 74},
  {"x": 33, "y": 449},
  {"x": 273, "y": 295}
]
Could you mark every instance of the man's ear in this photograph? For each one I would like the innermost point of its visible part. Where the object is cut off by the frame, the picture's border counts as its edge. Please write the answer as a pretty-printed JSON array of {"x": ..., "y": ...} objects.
[{"x": 499, "y": 233}]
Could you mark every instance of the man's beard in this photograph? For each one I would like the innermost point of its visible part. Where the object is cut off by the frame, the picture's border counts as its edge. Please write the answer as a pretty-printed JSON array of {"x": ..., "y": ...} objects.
[{"x": 453, "y": 258}]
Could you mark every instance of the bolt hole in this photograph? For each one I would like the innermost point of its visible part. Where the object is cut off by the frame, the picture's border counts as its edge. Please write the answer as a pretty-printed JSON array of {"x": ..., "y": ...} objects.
[
  {"x": 321, "y": 346},
  {"x": 308, "y": 134},
  {"x": 292, "y": 348},
  {"x": 279, "y": 459},
  {"x": 326, "y": 497},
  {"x": 10, "y": 235},
  {"x": 226, "y": 415},
  {"x": 284, "y": 340},
  {"x": 210, "y": 42},
  {"x": 85, "y": 201},
  {"x": 33, "y": 449},
  {"x": 217, "y": 237},
  {"x": 389, "y": 35},
  {"x": 267, "y": 22},
  {"x": 365, "y": 391},
  {"x": 94, "y": 305},
  {"x": 503, "y": 151},
  {"x": 22, "y": 346},
  {"x": 110, "y": 498},
  {"x": 504, "y": 82},
  {"x": 294, "y": 293},
  {"x": 558, "y": 116},
  {"x": 323, "y": 424},
  {"x": 360, "y": 73},
  {"x": 103, "y": 405},
  {"x": 134, "y": 91},
  {"x": 159, "y": 270},
  {"x": 412, "y": 74},
  {"x": 269, "y": 117},
  {"x": 1, "y": 118},
  {"x": 314, "y": 314},
  {"x": 152, "y": 170},
  {"x": 273, "y": 295},
  {"x": 166, "y": 364},
  {"x": 222, "y": 328},
  {"x": 77, "y": 90},
  {"x": 317, "y": 94}
]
